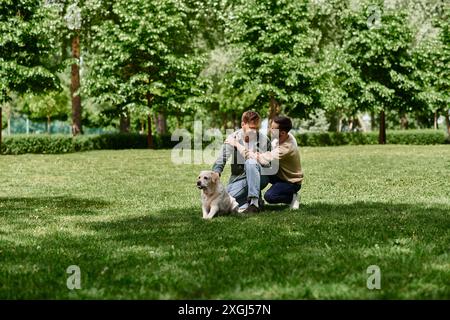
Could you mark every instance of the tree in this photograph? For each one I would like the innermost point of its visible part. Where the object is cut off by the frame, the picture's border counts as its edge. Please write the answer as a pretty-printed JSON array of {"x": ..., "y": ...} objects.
[
  {"x": 443, "y": 64},
  {"x": 338, "y": 84},
  {"x": 277, "y": 46},
  {"x": 222, "y": 99},
  {"x": 73, "y": 21},
  {"x": 381, "y": 54},
  {"x": 27, "y": 41},
  {"x": 433, "y": 57},
  {"x": 53, "y": 105},
  {"x": 143, "y": 57}
]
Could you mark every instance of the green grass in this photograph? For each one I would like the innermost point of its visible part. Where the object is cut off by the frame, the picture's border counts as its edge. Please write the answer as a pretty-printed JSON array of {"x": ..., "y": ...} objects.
[{"x": 131, "y": 220}]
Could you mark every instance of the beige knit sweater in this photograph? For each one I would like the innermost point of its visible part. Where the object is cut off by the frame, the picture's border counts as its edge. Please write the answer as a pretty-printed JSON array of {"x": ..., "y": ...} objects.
[{"x": 287, "y": 153}]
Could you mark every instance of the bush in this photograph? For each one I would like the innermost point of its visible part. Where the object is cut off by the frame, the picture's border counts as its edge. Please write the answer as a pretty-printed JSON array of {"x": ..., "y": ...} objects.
[
  {"x": 336, "y": 138},
  {"x": 420, "y": 137},
  {"x": 417, "y": 137},
  {"x": 115, "y": 141},
  {"x": 37, "y": 144},
  {"x": 53, "y": 144}
]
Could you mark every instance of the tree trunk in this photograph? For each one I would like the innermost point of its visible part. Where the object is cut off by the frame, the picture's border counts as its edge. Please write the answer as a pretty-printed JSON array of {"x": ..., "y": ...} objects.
[
  {"x": 339, "y": 126},
  {"x": 224, "y": 121},
  {"x": 234, "y": 121},
  {"x": 436, "y": 125},
  {"x": 149, "y": 122},
  {"x": 404, "y": 122},
  {"x": 274, "y": 109},
  {"x": 382, "y": 132},
  {"x": 49, "y": 123},
  {"x": 162, "y": 124},
  {"x": 75, "y": 86},
  {"x": 447, "y": 121},
  {"x": 124, "y": 122},
  {"x": 149, "y": 132},
  {"x": 1, "y": 128},
  {"x": 373, "y": 123}
]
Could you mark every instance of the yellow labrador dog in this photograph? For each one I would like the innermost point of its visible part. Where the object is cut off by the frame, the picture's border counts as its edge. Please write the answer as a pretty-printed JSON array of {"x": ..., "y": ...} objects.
[{"x": 215, "y": 198}]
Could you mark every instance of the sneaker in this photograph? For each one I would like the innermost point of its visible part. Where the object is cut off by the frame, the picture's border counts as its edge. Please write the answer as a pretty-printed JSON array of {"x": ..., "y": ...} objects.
[
  {"x": 252, "y": 209},
  {"x": 243, "y": 208},
  {"x": 295, "y": 203}
]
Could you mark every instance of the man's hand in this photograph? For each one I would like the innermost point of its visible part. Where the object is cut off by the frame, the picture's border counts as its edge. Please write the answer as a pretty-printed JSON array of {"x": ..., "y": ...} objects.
[{"x": 232, "y": 141}]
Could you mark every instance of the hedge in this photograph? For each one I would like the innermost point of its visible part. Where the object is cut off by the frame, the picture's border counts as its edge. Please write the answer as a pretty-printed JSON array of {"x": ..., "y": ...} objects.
[
  {"x": 418, "y": 137},
  {"x": 53, "y": 144}
]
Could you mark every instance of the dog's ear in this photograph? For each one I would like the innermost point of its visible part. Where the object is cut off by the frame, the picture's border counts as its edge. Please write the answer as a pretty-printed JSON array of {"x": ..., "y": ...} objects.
[{"x": 215, "y": 177}]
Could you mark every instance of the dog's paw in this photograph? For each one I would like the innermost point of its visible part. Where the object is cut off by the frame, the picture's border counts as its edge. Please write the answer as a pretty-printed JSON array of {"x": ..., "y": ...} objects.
[{"x": 234, "y": 204}]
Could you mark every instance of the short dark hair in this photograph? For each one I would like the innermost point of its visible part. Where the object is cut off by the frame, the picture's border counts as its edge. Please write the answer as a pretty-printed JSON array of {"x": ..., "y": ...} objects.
[
  {"x": 250, "y": 116},
  {"x": 284, "y": 123}
]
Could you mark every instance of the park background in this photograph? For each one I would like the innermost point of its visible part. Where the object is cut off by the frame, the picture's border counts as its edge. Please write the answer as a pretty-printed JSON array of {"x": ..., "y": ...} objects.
[{"x": 97, "y": 67}]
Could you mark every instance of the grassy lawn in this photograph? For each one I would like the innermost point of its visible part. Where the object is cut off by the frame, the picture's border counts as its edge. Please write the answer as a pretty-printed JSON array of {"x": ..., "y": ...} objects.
[{"x": 131, "y": 220}]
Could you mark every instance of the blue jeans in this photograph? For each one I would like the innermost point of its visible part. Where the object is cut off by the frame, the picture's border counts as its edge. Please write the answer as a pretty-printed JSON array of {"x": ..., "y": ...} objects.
[
  {"x": 248, "y": 185},
  {"x": 281, "y": 191}
]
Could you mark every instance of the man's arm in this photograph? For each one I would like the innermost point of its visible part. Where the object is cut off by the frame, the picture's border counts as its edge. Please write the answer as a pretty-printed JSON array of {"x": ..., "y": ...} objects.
[
  {"x": 224, "y": 155},
  {"x": 266, "y": 146},
  {"x": 277, "y": 153},
  {"x": 248, "y": 154}
]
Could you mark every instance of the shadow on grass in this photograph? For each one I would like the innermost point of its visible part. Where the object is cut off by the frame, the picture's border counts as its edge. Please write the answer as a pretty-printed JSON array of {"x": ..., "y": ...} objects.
[
  {"x": 365, "y": 215},
  {"x": 320, "y": 251},
  {"x": 60, "y": 204},
  {"x": 270, "y": 252}
]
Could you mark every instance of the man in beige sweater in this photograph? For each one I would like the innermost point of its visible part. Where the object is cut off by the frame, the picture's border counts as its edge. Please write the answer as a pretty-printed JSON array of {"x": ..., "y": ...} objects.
[{"x": 288, "y": 180}]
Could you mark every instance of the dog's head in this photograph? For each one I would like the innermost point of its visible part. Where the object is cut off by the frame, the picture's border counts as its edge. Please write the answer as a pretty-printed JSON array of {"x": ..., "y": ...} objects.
[{"x": 207, "y": 179}]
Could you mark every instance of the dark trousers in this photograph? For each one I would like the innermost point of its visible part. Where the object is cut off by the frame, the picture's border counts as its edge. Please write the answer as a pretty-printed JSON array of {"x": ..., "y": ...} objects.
[{"x": 281, "y": 191}]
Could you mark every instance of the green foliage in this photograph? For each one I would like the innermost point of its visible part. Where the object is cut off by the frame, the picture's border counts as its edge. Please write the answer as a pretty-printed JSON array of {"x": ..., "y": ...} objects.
[
  {"x": 143, "y": 56},
  {"x": 277, "y": 44},
  {"x": 315, "y": 123},
  {"x": 416, "y": 137},
  {"x": 432, "y": 59},
  {"x": 44, "y": 144},
  {"x": 53, "y": 105},
  {"x": 381, "y": 56},
  {"x": 27, "y": 40},
  {"x": 309, "y": 56},
  {"x": 54, "y": 144}
]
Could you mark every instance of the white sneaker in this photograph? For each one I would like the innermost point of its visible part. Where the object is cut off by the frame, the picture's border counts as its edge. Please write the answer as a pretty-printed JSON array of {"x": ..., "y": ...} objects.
[
  {"x": 243, "y": 208},
  {"x": 295, "y": 203}
]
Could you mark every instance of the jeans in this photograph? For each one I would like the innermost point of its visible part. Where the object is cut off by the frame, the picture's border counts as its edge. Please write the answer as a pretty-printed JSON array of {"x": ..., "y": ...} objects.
[
  {"x": 248, "y": 185},
  {"x": 281, "y": 191}
]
